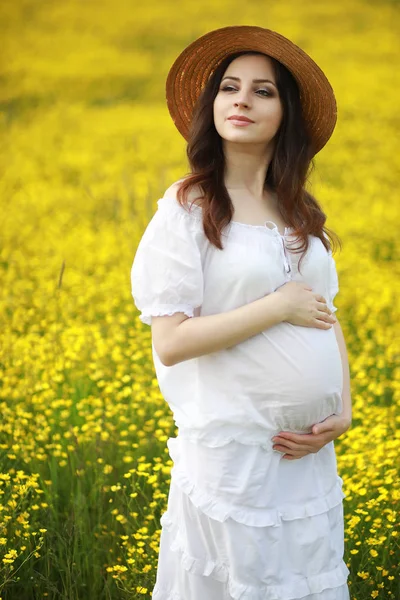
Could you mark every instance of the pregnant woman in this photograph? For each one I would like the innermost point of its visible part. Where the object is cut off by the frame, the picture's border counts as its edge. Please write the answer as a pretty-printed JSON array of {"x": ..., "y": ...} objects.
[{"x": 236, "y": 277}]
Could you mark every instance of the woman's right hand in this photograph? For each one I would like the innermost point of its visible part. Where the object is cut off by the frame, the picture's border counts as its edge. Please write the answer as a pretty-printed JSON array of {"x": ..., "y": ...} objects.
[{"x": 302, "y": 307}]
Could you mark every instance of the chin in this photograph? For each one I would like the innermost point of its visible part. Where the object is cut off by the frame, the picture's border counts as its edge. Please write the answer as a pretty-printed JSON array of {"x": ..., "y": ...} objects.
[
  {"x": 237, "y": 135},
  {"x": 244, "y": 139}
]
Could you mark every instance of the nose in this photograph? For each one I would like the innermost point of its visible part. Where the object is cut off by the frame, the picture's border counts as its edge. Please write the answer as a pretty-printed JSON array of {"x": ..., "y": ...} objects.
[
  {"x": 241, "y": 99},
  {"x": 241, "y": 103}
]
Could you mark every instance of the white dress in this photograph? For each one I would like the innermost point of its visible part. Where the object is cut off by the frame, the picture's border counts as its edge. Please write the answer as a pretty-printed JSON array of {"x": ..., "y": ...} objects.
[{"x": 242, "y": 523}]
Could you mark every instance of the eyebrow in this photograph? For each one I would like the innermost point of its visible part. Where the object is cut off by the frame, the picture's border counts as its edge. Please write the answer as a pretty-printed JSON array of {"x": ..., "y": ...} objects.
[{"x": 254, "y": 80}]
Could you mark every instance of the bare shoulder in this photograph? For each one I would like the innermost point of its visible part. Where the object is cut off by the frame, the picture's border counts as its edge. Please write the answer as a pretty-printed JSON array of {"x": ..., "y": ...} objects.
[{"x": 194, "y": 195}]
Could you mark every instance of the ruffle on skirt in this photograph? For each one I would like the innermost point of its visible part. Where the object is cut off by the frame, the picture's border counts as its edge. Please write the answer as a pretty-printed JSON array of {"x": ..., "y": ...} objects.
[
  {"x": 254, "y": 486},
  {"x": 232, "y": 547}
]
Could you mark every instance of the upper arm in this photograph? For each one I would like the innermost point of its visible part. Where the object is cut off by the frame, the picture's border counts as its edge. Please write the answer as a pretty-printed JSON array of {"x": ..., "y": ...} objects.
[{"x": 167, "y": 274}]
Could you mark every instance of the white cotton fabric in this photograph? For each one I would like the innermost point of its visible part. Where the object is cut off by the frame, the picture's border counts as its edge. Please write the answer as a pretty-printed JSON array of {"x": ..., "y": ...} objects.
[{"x": 241, "y": 522}]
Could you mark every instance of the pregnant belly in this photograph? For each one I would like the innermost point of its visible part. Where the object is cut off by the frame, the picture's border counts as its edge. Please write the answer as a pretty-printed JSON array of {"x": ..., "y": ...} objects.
[
  {"x": 287, "y": 378},
  {"x": 302, "y": 363}
]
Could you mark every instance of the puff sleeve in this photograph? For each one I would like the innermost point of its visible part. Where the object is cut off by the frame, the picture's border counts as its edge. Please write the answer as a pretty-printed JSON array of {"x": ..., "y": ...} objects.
[
  {"x": 333, "y": 282},
  {"x": 167, "y": 275}
]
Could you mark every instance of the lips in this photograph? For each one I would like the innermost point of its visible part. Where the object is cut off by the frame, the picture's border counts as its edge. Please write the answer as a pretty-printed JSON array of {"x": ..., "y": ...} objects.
[{"x": 240, "y": 118}]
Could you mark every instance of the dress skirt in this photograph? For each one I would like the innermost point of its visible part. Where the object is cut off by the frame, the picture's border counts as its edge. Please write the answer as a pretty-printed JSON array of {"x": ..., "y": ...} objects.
[{"x": 244, "y": 524}]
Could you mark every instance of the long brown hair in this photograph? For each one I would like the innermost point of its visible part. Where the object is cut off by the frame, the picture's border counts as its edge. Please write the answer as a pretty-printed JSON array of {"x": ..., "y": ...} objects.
[{"x": 287, "y": 173}]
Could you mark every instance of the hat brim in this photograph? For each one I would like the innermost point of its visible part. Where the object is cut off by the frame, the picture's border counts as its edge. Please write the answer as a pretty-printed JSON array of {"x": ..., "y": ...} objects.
[{"x": 194, "y": 66}]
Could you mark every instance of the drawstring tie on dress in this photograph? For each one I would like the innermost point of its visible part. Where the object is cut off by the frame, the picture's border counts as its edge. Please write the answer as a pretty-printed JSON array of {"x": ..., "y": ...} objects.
[{"x": 285, "y": 252}]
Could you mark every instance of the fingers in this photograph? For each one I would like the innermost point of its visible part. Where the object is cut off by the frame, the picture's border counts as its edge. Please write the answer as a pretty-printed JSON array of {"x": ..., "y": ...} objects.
[
  {"x": 321, "y": 324},
  {"x": 293, "y": 440},
  {"x": 295, "y": 450},
  {"x": 324, "y": 313},
  {"x": 326, "y": 317},
  {"x": 294, "y": 446},
  {"x": 302, "y": 439},
  {"x": 291, "y": 456},
  {"x": 323, "y": 307},
  {"x": 301, "y": 446},
  {"x": 298, "y": 438},
  {"x": 297, "y": 453},
  {"x": 301, "y": 450},
  {"x": 326, "y": 320},
  {"x": 283, "y": 445}
]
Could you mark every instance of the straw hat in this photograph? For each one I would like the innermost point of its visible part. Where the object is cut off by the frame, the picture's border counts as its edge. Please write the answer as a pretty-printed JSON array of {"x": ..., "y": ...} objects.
[{"x": 194, "y": 66}]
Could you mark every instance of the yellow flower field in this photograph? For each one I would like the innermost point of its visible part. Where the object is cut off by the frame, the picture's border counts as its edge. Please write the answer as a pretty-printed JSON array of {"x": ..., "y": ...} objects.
[{"x": 87, "y": 149}]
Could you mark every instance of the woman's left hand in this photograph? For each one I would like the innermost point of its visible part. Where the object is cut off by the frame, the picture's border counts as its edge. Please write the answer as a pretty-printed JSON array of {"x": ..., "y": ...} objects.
[{"x": 296, "y": 445}]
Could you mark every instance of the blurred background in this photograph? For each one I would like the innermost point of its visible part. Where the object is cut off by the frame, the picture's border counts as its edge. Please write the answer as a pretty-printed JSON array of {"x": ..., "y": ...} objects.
[{"x": 87, "y": 147}]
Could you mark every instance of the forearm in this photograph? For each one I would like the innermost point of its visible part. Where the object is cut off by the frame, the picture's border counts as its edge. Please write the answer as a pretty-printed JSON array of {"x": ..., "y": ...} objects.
[
  {"x": 206, "y": 334},
  {"x": 346, "y": 392}
]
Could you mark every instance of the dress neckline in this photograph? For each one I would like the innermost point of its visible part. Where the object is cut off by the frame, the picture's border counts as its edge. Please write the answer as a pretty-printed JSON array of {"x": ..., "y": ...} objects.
[
  {"x": 265, "y": 228},
  {"x": 274, "y": 230}
]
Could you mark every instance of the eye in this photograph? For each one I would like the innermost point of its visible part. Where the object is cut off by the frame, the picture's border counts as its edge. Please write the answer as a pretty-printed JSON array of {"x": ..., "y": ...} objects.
[{"x": 265, "y": 93}]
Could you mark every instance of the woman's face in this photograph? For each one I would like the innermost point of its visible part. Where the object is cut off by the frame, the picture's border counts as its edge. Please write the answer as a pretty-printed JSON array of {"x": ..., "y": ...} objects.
[{"x": 240, "y": 94}]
